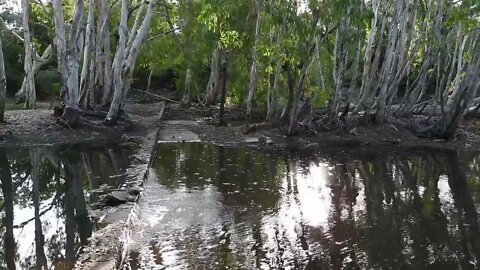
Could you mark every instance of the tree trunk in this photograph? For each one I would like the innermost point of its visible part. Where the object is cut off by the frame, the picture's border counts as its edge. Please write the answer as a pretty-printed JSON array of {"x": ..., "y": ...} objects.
[
  {"x": 117, "y": 66},
  {"x": 223, "y": 98},
  {"x": 213, "y": 85},
  {"x": 298, "y": 95},
  {"x": 370, "y": 67},
  {"x": 104, "y": 38},
  {"x": 252, "y": 85},
  {"x": 68, "y": 53},
  {"x": 447, "y": 125},
  {"x": 38, "y": 63},
  {"x": 3, "y": 84},
  {"x": 291, "y": 89},
  {"x": 61, "y": 44},
  {"x": 187, "y": 95},
  {"x": 272, "y": 98},
  {"x": 149, "y": 81},
  {"x": 87, "y": 55},
  {"x": 28, "y": 64},
  {"x": 70, "y": 114},
  {"x": 125, "y": 59}
]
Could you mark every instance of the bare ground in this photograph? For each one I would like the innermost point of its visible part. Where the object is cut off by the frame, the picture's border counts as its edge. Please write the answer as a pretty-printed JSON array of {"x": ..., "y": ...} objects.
[{"x": 392, "y": 134}]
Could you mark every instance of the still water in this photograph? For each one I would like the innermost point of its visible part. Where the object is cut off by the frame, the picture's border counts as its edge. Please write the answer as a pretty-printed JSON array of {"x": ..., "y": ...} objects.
[
  {"x": 45, "y": 202},
  {"x": 211, "y": 207}
]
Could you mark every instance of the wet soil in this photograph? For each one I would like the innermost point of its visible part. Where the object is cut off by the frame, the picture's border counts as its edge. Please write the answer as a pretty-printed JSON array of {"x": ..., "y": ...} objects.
[
  {"x": 204, "y": 122},
  {"x": 25, "y": 128}
]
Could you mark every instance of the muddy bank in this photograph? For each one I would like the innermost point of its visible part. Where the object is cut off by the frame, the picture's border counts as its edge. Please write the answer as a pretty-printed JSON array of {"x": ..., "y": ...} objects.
[
  {"x": 28, "y": 128},
  {"x": 203, "y": 121}
]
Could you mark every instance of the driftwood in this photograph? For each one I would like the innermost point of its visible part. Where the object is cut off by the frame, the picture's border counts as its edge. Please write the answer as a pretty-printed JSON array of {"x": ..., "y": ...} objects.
[{"x": 157, "y": 96}]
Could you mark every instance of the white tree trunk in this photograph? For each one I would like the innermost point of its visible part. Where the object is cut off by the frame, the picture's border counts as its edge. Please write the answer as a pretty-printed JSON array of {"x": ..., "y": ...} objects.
[
  {"x": 68, "y": 52},
  {"x": 104, "y": 34},
  {"x": 272, "y": 100},
  {"x": 28, "y": 64},
  {"x": 117, "y": 65},
  {"x": 252, "y": 85},
  {"x": 89, "y": 44},
  {"x": 188, "y": 83},
  {"x": 73, "y": 57},
  {"x": 3, "y": 84},
  {"x": 61, "y": 44},
  {"x": 38, "y": 63},
  {"x": 214, "y": 81},
  {"x": 123, "y": 70},
  {"x": 368, "y": 66}
]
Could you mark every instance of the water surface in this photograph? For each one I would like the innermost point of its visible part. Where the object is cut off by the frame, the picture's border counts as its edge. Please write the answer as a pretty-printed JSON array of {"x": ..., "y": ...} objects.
[
  {"x": 45, "y": 202},
  {"x": 211, "y": 207}
]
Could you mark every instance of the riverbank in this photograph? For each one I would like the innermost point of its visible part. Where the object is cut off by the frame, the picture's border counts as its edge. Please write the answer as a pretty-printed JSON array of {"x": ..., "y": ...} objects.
[
  {"x": 27, "y": 128},
  {"x": 396, "y": 133}
]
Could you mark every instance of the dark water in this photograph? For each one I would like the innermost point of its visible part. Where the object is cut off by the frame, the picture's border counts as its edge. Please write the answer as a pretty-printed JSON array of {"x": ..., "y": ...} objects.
[
  {"x": 209, "y": 207},
  {"x": 45, "y": 202}
]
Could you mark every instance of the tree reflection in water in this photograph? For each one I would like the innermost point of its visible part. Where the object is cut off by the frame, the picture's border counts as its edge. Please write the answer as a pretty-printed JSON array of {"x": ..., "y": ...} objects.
[
  {"x": 216, "y": 207},
  {"x": 44, "y": 202}
]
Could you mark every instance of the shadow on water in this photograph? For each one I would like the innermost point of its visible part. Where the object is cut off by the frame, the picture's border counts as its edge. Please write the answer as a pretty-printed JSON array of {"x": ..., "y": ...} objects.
[
  {"x": 210, "y": 207},
  {"x": 45, "y": 202}
]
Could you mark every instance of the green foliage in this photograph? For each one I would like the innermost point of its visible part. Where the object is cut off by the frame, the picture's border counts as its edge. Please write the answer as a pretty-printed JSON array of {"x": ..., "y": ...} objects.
[
  {"x": 13, "y": 56},
  {"x": 47, "y": 83}
]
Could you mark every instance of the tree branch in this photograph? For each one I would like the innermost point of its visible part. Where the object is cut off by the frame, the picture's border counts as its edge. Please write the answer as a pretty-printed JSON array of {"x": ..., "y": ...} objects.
[
  {"x": 4, "y": 26},
  {"x": 167, "y": 32}
]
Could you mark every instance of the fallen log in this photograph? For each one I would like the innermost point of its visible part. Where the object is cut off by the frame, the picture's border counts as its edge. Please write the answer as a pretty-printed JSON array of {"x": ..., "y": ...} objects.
[{"x": 157, "y": 96}]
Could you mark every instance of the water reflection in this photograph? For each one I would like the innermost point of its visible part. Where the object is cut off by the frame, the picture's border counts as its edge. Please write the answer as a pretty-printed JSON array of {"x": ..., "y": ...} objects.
[
  {"x": 44, "y": 202},
  {"x": 209, "y": 207}
]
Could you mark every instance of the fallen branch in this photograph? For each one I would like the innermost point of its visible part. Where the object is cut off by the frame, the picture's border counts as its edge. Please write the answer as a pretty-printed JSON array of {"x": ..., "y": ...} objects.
[{"x": 157, "y": 96}]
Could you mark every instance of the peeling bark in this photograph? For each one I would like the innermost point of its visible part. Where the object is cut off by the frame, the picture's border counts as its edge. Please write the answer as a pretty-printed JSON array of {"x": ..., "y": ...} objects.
[{"x": 28, "y": 63}]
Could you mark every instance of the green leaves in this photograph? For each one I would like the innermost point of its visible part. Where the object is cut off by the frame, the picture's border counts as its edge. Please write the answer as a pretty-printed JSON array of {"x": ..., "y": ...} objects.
[{"x": 230, "y": 39}]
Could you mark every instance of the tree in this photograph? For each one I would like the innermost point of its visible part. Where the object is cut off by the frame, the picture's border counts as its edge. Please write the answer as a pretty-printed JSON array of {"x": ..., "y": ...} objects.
[
  {"x": 29, "y": 75},
  {"x": 68, "y": 54},
  {"x": 126, "y": 56},
  {"x": 3, "y": 84}
]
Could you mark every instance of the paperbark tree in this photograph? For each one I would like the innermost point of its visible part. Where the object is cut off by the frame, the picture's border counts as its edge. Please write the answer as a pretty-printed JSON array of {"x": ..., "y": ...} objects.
[
  {"x": 446, "y": 126},
  {"x": 88, "y": 66},
  {"x": 252, "y": 85},
  {"x": 273, "y": 93},
  {"x": 38, "y": 63},
  {"x": 68, "y": 53},
  {"x": 28, "y": 62},
  {"x": 125, "y": 58},
  {"x": 214, "y": 83}
]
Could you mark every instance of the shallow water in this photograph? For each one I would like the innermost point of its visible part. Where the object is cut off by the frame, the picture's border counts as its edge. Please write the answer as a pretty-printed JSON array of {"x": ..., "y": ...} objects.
[
  {"x": 45, "y": 200},
  {"x": 210, "y": 207}
]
